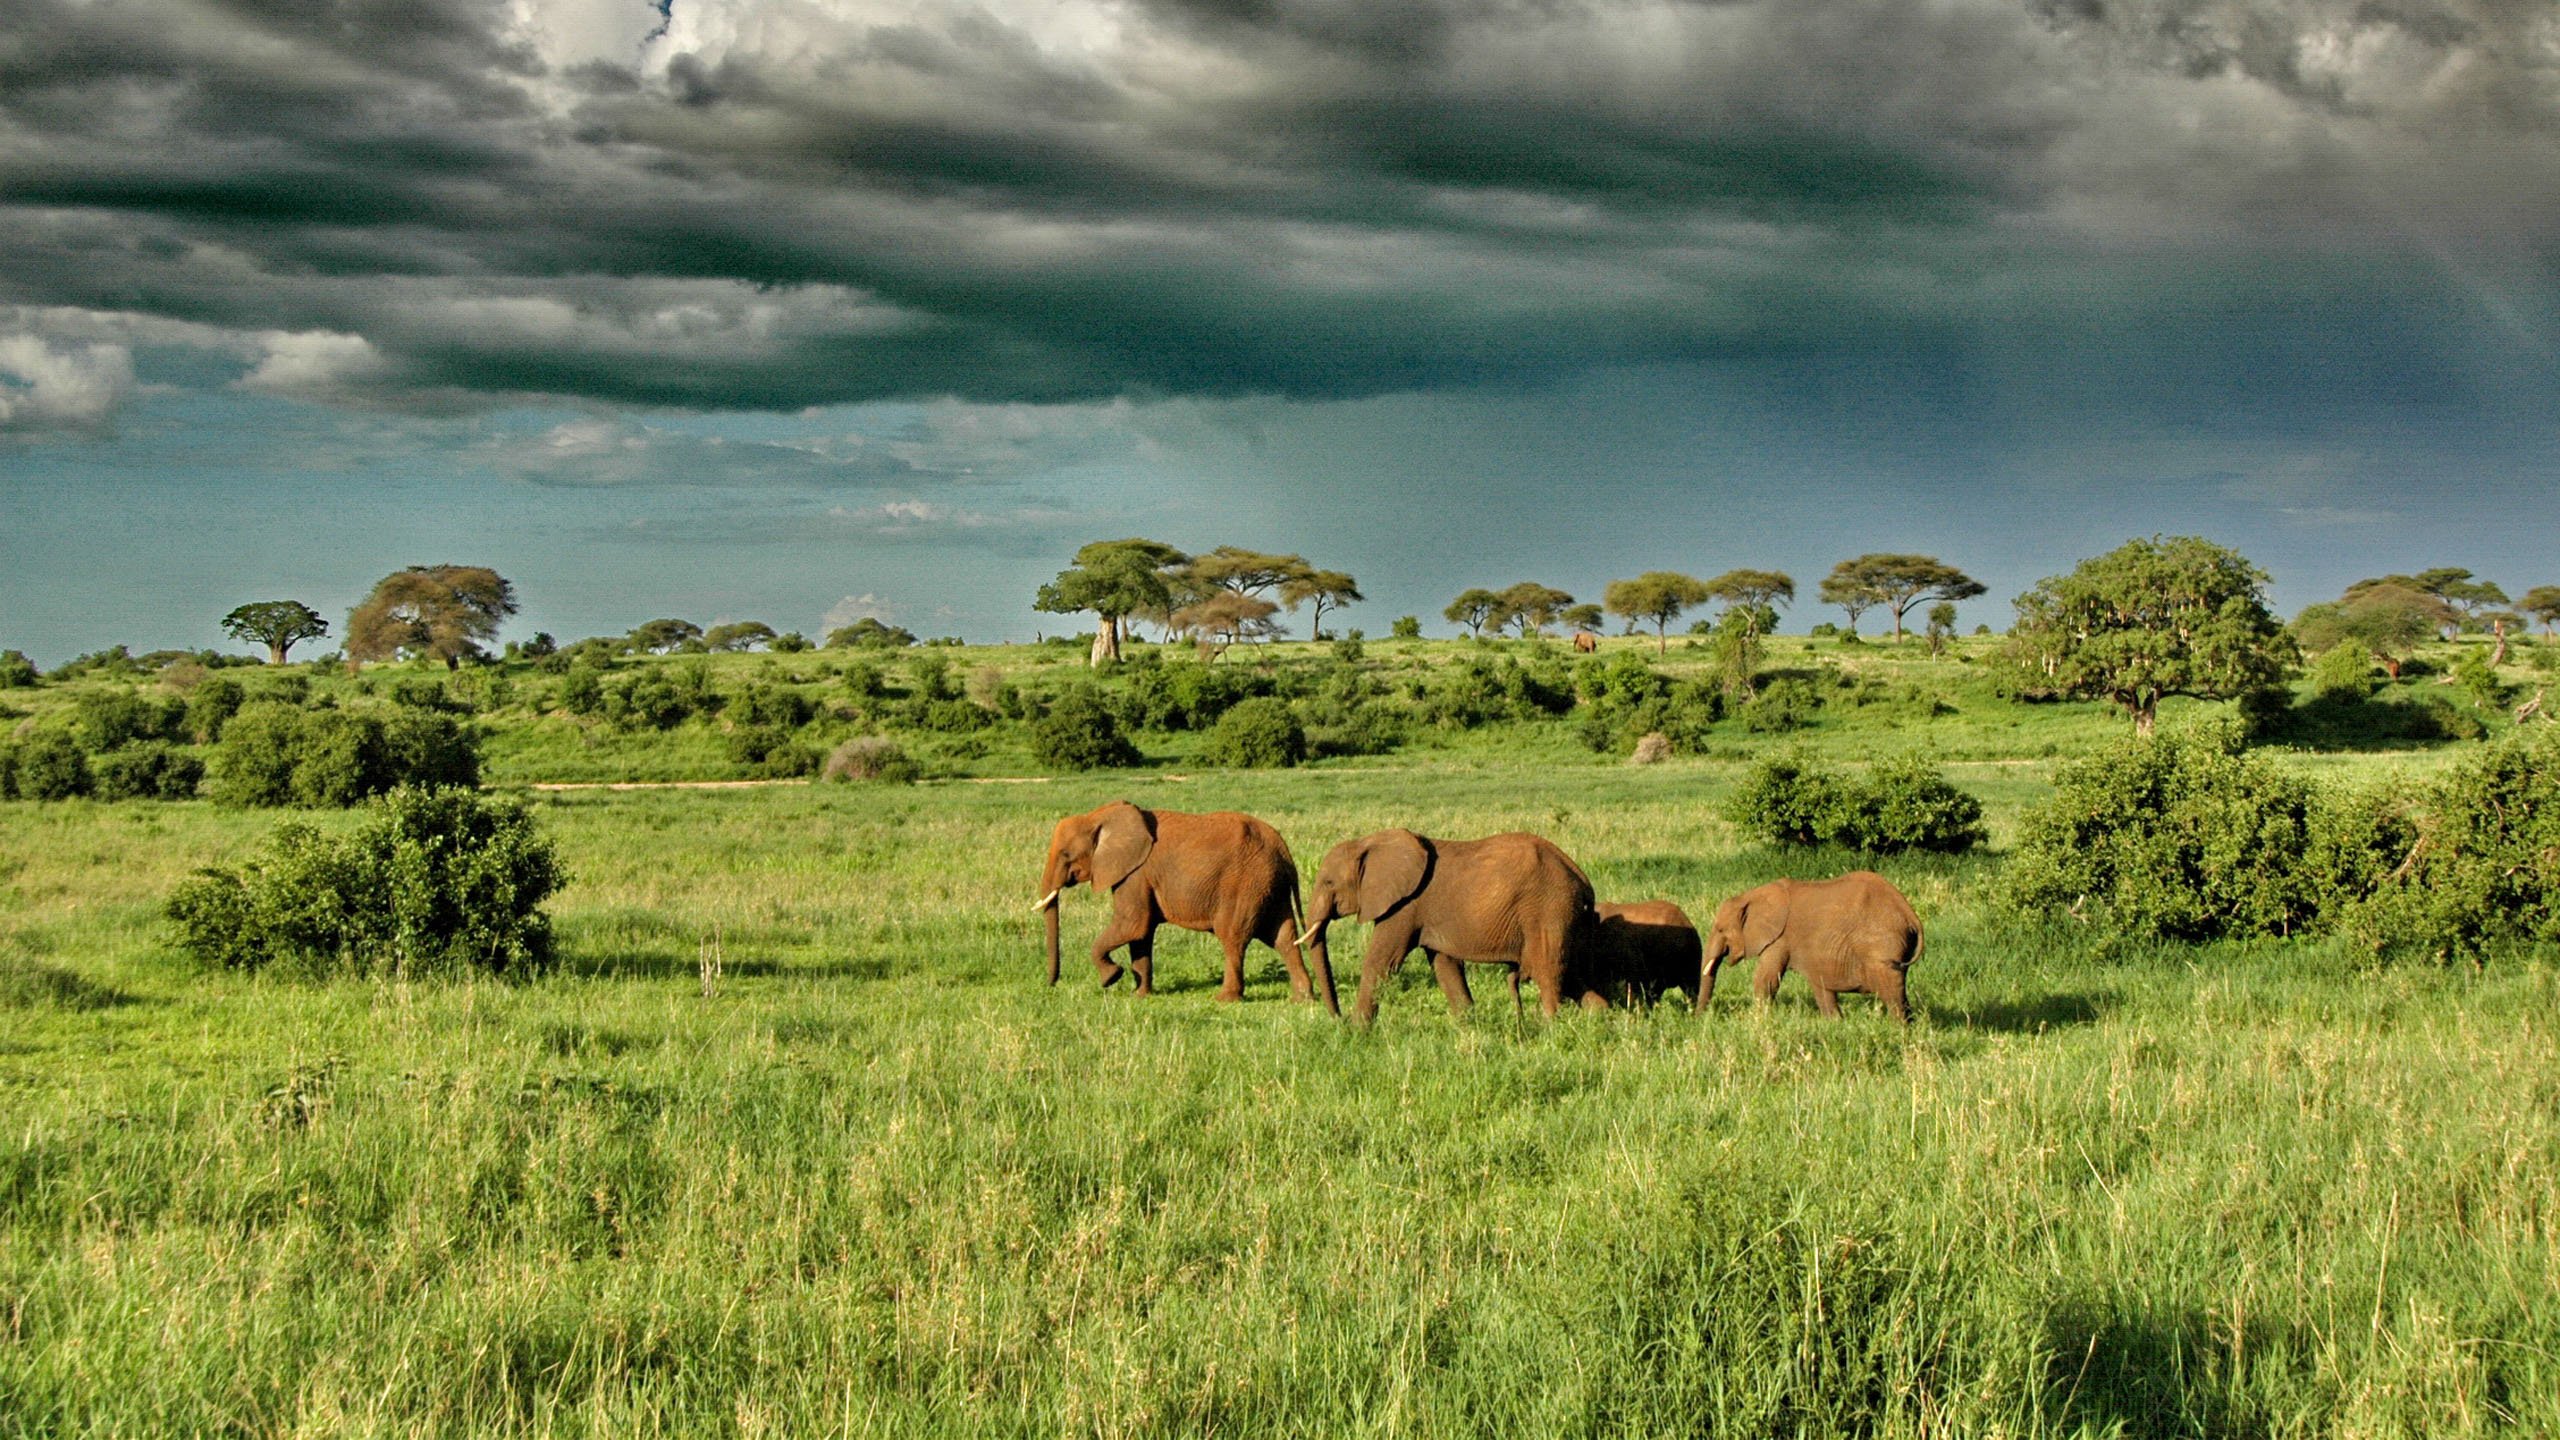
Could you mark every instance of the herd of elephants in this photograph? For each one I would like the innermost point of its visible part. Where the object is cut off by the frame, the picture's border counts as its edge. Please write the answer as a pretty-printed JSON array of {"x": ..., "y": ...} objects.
[{"x": 1513, "y": 900}]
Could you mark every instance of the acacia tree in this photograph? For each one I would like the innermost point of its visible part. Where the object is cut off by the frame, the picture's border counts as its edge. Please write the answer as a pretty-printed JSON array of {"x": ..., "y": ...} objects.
[
  {"x": 1849, "y": 587},
  {"x": 1899, "y": 582},
  {"x": 1657, "y": 596},
  {"x": 1324, "y": 589},
  {"x": 1756, "y": 593},
  {"x": 657, "y": 637},
  {"x": 2388, "y": 621},
  {"x": 1227, "y": 616},
  {"x": 1531, "y": 606},
  {"x": 1114, "y": 579},
  {"x": 2542, "y": 602},
  {"x": 2150, "y": 619},
  {"x": 1472, "y": 608},
  {"x": 442, "y": 611},
  {"x": 1942, "y": 626},
  {"x": 739, "y": 635},
  {"x": 277, "y": 624},
  {"x": 1585, "y": 616}
]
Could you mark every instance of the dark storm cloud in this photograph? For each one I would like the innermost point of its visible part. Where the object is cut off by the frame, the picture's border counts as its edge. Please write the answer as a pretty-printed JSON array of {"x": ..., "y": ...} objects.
[{"x": 446, "y": 204}]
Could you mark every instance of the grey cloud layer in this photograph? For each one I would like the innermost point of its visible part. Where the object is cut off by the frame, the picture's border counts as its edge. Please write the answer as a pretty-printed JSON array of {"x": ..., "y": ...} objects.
[{"x": 436, "y": 204}]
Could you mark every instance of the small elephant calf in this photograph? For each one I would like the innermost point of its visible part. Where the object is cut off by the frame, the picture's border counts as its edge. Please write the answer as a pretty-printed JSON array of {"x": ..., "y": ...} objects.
[
  {"x": 1646, "y": 950},
  {"x": 1853, "y": 933}
]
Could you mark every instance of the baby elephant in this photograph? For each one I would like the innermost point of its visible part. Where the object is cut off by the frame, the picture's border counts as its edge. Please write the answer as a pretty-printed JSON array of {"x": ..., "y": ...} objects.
[
  {"x": 1855, "y": 933},
  {"x": 1646, "y": 950}
]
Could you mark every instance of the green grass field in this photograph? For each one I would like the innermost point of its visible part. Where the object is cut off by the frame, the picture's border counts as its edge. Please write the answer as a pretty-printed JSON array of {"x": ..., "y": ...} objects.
[{"x": 883, "y": 1181}]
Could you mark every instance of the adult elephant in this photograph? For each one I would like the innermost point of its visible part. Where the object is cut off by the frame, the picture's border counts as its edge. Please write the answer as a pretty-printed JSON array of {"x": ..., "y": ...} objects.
[
  {"x": 1504, "y": 900},
  {"x": 1853, "y": 934},
  {"x": 1225, "y": 873}
]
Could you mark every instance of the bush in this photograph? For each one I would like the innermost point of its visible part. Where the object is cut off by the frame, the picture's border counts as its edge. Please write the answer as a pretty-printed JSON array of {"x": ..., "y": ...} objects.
[
  {"x": 1898, "y": 805},
  {"x": 274, "y": 754},
  {"x": 150, "y": 770},
  {"x": 789, "y": 642},
  {"x": 662, "y": 697},
  {"x": 2482, "y": 866},
  {"x": 2344, "y": 674},
  {"x": 432, "y": 882},
  {"x": 775, "y": 706},
  {"x": 1351, "y": 647},
  {"x": 770, "y": 750},
  {"x": 212, "y": 706},
  {"x": 949, "y": 716},
  {"x": 1258, "y": 734},
  {"x": 1191, "y": 696},
  {"x": 1478, "y": 691},
  {"x": 2187, "y": 838},
  {"x": 112, "y": 719},
  {"x": 17, "y": 672},
  {"x": 1782, "y": 706},
  {"x": 1406, "y": 627},
  {"x": 870, "y": 757},
  {"x": 582, "y": 690},
  {"x": 2479, "y": 680},
  {"x": 49, "y": 766},
  {"x": 1081, "y": 733}
]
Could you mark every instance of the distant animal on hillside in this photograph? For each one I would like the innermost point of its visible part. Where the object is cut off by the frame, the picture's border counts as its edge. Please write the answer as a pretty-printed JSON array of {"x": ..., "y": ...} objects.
[
  {"x": 1855, "y": 933},
  {"x": 1225, "y": 873},
  {"x": 1585, "y": 641},
  {"x": 1507, "y": 899}
]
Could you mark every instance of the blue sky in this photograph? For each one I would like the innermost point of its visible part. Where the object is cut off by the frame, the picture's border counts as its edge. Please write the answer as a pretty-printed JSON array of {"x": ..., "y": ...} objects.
[{"x": 801, "y": 312}]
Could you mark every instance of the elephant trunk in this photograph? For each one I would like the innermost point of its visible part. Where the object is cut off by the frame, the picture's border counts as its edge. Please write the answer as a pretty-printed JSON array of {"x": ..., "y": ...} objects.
[
  {"x": 1319, "y": 957},
  {"x": 1707, "y": 965},
  {"x": 1052, "y": 880}
]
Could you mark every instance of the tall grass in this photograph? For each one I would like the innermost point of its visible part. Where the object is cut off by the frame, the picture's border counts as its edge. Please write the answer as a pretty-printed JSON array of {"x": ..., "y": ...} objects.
[{"x": 883, "y": 1181}]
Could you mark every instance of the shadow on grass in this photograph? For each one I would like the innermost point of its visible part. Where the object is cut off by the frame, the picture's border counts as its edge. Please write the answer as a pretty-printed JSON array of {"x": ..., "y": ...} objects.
[
  {"x": 668, "y": 965},
  {"x": 29, "y": 984},
  {"x": 2028, "y": 1016},
  {"x": 2146, "y": 1375}
]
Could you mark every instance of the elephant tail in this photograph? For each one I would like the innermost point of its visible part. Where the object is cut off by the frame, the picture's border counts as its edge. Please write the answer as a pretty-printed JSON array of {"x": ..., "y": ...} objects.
[{"x": 1919, "y": 942}]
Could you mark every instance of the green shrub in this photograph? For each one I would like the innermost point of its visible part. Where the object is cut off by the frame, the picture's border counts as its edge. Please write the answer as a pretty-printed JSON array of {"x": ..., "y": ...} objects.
[
  {"x": 950, "y": 716},
  {"x": 1080, "y": 732},
  {"x": 1780, "y": 707},
  {"x": 870, "y": 757},
  {"x": 49, "y": 766},
  {"x": 2187, "y": 837},
  {"x": 582, "y": 690},
  {"x": 274, "y": 754},
  {"x": 2344, "y": 674},
  {"x": 211, "y": 707},
  {"x": 17, "y": 672},
  {"x": 1406, "y": 627},
  {"x": 149, "y": 770},
  {"x": 1898, "y": 805},
  {"x": 770, "y": 750},
  {"x": 432, "y": 882},
  {"x": 1258, "y": 734},
  {"x": 2479, "y": 680},
  {"x": 1479, "y": 691},
  {"x": 775, "y": 706},
  {"x": 1350, "y": 647},
  {"x": 789, "y": 642},
  {"x": 1191, "y": 696},
  {"x": 865, "y": 680},
  {"x": 2483, "y": 868},
  {"x": 112, "y": 719},
  {"x": 661, "y": 697}
]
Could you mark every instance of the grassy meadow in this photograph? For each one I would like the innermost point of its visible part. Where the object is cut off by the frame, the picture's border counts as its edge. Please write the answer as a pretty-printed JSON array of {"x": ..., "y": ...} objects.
[{"x": 873, "y": 1177}]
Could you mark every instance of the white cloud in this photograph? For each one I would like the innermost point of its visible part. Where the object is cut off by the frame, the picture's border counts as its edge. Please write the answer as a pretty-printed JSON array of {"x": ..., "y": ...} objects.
[
  {"x": 315, "y": 364},
  {"x": 865, "y": 606},
  {"x": 49, "y": 389}
]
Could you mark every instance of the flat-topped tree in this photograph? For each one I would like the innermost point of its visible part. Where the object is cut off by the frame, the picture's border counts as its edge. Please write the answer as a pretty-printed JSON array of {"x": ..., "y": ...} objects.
[
  {"x": 1656, "y": 597},
  {"x": 1900, "y": 582},
  {"x": 1472, "y": 609},
  {"x": 1113, "y": 579},
  {"x": 1531, "y": 606},
  {"x": 739, "y": 635},
  {"x": 2388, "y": 622},
  {"x": 1225, "y": 617},
  {"x": 1585, "y": 616},
  {"x": 277, "y": 624},
  {"x": 1757, "y": 594},
  {"x": 2542, "y": 602},
  {"x": 2150, "y": 619},
  {"x": 439, "y": 611},
  {"x": 657, "y": 637},
  {"x": 1324, "y": 589},
  {"x": 1246, "y": 572},
  {"x": 1850, "y": 587}
]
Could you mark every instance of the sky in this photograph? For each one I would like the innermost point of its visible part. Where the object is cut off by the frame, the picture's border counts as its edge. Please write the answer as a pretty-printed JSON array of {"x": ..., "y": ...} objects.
[{"x": 805, "y": 310}]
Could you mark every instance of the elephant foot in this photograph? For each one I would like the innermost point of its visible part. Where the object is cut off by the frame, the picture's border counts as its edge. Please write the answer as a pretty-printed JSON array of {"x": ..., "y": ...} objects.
[
  {"x": 1110, "y": 974},
  {"x": 1229, "y": 997}
]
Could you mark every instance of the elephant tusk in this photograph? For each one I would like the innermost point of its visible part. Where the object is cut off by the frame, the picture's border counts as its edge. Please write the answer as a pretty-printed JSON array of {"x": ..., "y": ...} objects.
[{"x": 1046, "y": 900}]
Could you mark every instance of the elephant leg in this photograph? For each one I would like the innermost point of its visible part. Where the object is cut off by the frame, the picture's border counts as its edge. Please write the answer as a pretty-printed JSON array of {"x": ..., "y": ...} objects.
[
  {"x": 1772, "y": 969},
  {"x": 1889, "y": 989},
  {"x": 1233, "y": 943},
  {"x": 1827, "y": 1001},
  {"x": 1453, "y": 983},
  {"x": 1143, "y": 962},
  {"x": 1284, "y": 938},
  {"x": 1517, "y": 1012},
  {"x": 1388, "y": 945}
]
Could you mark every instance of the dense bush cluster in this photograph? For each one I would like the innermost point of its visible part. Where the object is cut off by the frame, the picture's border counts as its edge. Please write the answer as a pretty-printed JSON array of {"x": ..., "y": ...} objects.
[
  {"x": 1478, "y": 691},
  {"x": 1898, "y": 805},
  {"x": 1258, "y": 734},
  {"x": 274, "y": 753},
  {"x": 432, "y": 882},
  {"x": 1081, "y": 732},
  {"x": 1623, "y": 699},
  {"x": 2191, "y": 837},
  {"x": 2481, "y": 866}
]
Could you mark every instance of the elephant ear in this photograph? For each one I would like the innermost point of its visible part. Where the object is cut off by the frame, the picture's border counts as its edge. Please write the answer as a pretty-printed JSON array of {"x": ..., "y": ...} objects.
[
  {"x": 1392, "y": 867},
  {"x": 1764, "y": 917},
  {"x": 1121, "y": 844}
]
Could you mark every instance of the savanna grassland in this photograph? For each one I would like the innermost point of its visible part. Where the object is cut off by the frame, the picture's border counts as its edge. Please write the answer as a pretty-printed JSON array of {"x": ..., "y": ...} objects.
[{"x": 873, "y": 1177}]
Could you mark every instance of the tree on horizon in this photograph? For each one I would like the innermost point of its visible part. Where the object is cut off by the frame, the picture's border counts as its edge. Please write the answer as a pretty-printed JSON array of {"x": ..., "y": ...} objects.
[{"x": 277, "y": 624}]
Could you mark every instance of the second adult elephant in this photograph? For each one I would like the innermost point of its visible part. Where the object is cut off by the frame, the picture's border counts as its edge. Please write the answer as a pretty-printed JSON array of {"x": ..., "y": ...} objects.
[
  {"x": 1504, "y": 900},
  {"x": 1225, "y": 873},
  {"x": 1647, "y": 949},
  {"x": 1855, "y": 933}
]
